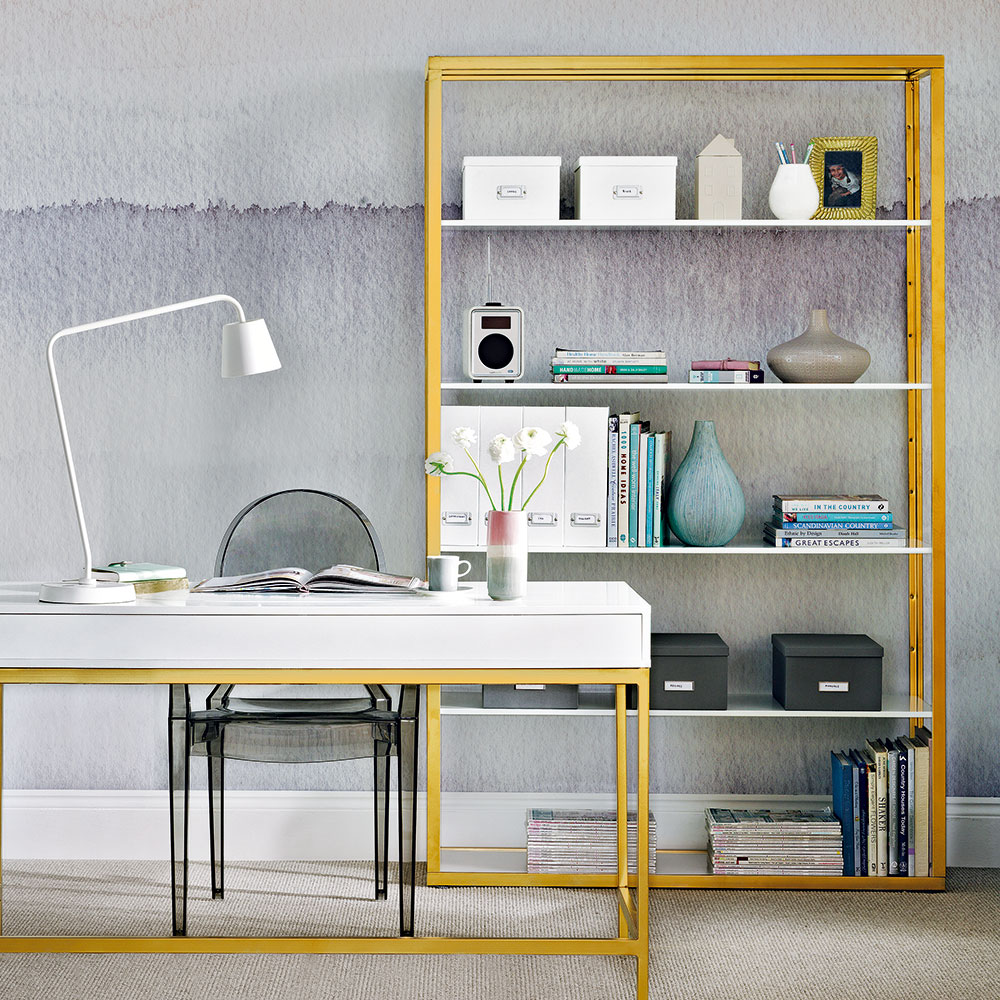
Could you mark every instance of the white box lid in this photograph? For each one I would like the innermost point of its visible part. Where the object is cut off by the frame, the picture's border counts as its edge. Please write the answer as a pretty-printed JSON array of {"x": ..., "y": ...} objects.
[
  {"x": 625, "y": 161},
  {"x": 510, "y": 161}
]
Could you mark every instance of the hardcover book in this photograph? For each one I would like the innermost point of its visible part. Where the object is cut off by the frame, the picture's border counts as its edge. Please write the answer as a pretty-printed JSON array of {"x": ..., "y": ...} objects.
[
  {"x": 612, "y": 515},
  {"x": 865, "y": 503}
]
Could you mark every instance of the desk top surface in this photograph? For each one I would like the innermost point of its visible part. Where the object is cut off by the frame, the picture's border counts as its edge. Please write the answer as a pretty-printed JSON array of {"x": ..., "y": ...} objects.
[{"x": 543, "y": 598}]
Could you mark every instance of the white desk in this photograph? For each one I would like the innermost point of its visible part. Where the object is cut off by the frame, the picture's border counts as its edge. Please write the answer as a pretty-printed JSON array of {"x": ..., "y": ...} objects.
[{"x": 581, "y": 632}]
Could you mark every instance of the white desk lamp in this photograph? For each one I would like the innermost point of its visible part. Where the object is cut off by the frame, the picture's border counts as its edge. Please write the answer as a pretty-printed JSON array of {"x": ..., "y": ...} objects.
[{"x": 246, "y": 350}]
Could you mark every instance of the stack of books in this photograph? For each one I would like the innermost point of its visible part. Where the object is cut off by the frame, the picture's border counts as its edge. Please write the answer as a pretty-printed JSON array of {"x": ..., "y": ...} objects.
[
  {"x": 772, "y": 842},
  {"x": 146, "y": 578},
  {"x": 581, "y": 840},
  {"x": 609, "y": 366},
  {"x": 881, "y": 793},
  {"x": 638, "y": 480},
  {"x": 841, "y": 521},
  {"x": 726, "y": 372}
]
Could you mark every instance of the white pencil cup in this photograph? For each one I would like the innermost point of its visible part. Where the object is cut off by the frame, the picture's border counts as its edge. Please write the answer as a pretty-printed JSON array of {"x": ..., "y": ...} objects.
[{"x": 793, "y": 193}]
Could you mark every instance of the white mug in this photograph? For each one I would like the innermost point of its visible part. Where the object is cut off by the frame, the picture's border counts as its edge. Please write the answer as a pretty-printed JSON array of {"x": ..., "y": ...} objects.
[{"x": 443, "y": 572}]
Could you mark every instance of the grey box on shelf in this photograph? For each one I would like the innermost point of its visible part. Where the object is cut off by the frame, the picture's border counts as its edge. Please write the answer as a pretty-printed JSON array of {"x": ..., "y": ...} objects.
[
  {"x": 687, "y": 671},
  {"x": 531, "y": 696},
  {"x": 817, "y": 672}
]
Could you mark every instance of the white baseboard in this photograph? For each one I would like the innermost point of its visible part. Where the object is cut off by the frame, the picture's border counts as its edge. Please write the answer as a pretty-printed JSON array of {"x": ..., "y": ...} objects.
[{"x": 284, "y": 826}]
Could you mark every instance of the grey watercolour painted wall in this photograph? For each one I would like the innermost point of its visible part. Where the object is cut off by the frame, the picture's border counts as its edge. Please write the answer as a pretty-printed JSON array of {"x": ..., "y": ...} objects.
[{"x": 159, "y": 152}]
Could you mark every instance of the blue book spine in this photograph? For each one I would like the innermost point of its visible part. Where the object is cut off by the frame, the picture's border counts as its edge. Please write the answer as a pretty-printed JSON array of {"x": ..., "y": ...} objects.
[
  {"x": 634, "y": 429},
  {"x": 843, "y": 805},
  {"x": 650, "y": 486},
  {"x": 843, "y": 515},
  {"x": 832, "y": 525}
]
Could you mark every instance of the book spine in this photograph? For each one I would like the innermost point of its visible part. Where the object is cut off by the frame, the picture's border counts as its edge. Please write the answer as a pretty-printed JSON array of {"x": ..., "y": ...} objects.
[
  {"x": 612, "y": 522},
  {"x": 903, "y": 813},
  {"x": 634, "y": 430},
  {"x": 611, "y": 356},
  {"x": 834, "y": 543},
  {"x": 873, "y": 532},
  {"x": 860, "y": 528},
  {"x": 892, "y": 800},
  {"x": 560, "y": 368},
  {"x": 650, "y": 487},
  {"x": 856, "y": 817},
  {"x": 643, "y": 502},
  {"x": 841, "y": 797},
  {"x": 830, "y": 505},
  {"x": 658, "y": 456},
  {"x": 624, "y": 424},
  {"x": 885, "y": 517},
  {"x": 726, "y": 377},
  {"x": 882, "y": 807},
  {"x": 612, "y": 379}
]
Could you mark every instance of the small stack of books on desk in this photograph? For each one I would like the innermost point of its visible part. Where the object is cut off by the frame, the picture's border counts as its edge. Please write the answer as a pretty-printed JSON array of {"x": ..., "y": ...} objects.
[
  {"x": 771, "y": 842},
  {"x": 581, "y": 840},
  {"x": 609, "y": 366},
  {"x": 726, "y": 372},
  {"x": 838, "y": 522},
  {"x": 146, "y": 578}
]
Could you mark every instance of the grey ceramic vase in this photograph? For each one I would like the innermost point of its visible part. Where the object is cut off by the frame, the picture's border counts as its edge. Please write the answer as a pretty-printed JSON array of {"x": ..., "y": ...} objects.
[
  {"x": 818, "y": 355},
  {"x": 706, "y": 505}
]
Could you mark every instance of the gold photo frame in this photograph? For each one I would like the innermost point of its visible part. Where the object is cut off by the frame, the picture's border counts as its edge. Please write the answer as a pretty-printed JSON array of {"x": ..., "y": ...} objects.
[{"x": 845, "y": 168}]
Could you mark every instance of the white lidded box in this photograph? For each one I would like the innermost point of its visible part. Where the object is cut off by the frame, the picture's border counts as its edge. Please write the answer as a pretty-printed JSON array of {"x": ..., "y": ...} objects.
[
  {"x": 626, "y": 188},
  {"x": 510, "y": 188}
]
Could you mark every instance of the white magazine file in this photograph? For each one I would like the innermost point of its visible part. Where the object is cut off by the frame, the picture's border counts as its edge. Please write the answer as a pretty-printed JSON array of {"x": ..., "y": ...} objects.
[
  {"x": 495, "y": 420},
  {"x": 545, "y": 512},
  {"x": 586, "y": 502},
  {"x": 462, "y": 498}
]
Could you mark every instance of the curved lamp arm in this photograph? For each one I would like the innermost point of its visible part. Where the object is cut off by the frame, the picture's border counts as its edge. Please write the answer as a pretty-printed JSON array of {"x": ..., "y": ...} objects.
[{"x": 87, "y": 578}]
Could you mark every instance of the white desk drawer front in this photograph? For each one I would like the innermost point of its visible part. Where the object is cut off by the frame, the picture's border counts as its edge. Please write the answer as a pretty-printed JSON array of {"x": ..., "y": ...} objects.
[{"x": 461, "y": 640}]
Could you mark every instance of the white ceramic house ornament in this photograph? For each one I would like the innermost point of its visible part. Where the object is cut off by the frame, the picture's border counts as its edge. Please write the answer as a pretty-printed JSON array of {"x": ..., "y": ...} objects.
[{"x": 718, "y": 181}]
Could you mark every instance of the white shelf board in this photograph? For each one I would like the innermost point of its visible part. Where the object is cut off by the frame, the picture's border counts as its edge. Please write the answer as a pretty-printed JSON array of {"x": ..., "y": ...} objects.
[
  {"x": 689, "y": 224},
  {"x": 514, "y": 861},
  {"x": 594, "y": 703},
  {"x": 688, "y": 386},
  {"x": 916, "y": 547}
]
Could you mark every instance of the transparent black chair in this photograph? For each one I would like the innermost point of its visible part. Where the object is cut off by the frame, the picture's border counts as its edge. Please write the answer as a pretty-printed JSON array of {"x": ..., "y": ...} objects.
[{"x": 311, "y": 529}]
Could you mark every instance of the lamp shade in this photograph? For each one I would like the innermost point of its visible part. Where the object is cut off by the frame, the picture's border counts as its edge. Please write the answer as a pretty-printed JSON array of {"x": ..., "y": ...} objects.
[{"x": 247, "y": 349}]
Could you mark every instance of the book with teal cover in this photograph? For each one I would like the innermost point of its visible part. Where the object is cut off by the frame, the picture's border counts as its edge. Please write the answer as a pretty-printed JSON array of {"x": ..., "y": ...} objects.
[
  {"x": 650, "y": 486},
  {"x": 634, "y": 430},
  {"x": 843, "y": 805}
]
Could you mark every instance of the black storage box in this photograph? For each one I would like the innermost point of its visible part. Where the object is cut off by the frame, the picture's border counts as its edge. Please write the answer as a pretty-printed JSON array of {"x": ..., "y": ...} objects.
[
  {"x": 687, "y": 670},
  {"x": 531, "y": 696},
  {"x": 827, "y": 673}
]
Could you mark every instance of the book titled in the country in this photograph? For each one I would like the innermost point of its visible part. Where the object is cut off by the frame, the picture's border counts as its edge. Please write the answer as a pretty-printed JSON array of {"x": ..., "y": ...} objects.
[{"x": 836, "y": 503}]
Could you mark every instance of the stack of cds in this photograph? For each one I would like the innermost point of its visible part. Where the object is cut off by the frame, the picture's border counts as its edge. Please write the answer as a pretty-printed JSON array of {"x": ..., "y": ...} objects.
[
  {"x": 582, "y": 840},
  {"x": 772, "y": 842}
]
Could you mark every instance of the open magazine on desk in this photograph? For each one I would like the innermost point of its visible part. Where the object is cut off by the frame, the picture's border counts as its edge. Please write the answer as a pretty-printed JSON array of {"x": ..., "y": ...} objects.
[{"x": 341, "y": 579}]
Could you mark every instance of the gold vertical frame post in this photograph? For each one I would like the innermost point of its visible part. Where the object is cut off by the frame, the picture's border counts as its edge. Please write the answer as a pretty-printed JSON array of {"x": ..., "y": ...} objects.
[
  {"x": 433, "y": 782},
  {"x": 433, "y": 115},
  {"x": 938, "y": 581},
  {"x": 914, "y": 400},
  {"x": 626, "y": 913},
  {"x": 642, "y": 836}
]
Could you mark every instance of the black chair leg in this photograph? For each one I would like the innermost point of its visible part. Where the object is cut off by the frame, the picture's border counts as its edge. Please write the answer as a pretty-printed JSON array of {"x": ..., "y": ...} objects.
[
  {"x": 409, "y": 708},
  {"x": 178, "y": 739},
  {"x": 381, "y": 819},
  {"x": 216, "y": 816}
]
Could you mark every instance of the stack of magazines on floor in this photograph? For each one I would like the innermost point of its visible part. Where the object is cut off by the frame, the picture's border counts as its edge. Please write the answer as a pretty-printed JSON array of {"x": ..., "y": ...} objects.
[
  {"x": 726, "y": 372},
  {"x": 340, "y": 579},
  {"x": 609, "y": 366},
  {"x": 773, "y": 842},
  {"x": 832, "y": 522},
  {"x": 881, "y": 793},
  {"x": 581, "y": 840}
]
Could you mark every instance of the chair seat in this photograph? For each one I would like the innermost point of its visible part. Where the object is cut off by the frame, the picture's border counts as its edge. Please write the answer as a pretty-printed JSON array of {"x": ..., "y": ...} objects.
[{"x": 301, "y": 706}]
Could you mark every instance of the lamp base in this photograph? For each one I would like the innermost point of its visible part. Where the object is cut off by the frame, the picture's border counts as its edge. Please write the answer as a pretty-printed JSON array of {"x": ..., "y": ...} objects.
[{"x": 75, "y": 592}]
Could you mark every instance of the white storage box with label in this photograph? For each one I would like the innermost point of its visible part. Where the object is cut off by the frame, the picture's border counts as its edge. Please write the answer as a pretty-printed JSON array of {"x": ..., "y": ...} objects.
[
  {"x": 626, "y": 188},
  {"x": 510, "y": 188}
]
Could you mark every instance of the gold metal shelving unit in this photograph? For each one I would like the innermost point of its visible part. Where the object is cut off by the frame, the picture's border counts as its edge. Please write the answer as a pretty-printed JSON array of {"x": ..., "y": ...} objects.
[{"x": 906, "y": 70}]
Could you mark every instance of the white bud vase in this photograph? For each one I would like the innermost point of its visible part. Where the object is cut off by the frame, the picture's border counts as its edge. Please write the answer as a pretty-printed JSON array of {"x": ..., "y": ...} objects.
[
  {"x": 793, "y": 193},
  {"x": 818, "y": 355},
  {"x": 506, "y": 554}
]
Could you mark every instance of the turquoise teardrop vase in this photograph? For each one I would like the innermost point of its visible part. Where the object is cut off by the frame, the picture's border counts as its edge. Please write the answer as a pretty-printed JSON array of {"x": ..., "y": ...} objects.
[{"x": 706, "y": 504}]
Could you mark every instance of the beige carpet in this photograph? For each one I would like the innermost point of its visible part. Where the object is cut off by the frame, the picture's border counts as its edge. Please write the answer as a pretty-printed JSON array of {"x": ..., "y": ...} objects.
[{"x": 726, "y": 945}]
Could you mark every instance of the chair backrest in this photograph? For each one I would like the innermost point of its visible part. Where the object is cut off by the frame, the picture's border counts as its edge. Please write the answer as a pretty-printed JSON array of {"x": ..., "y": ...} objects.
[{"x": 308, "y": 528}]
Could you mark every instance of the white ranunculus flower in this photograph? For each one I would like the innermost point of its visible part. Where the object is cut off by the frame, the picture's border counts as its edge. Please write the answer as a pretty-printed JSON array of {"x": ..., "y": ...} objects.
[
  {"x": 532, "y": 440},
  {"x": 438, "y": 463},
  {"x": 464, "y": 437},
  {"x": 571, "y": 433},
  {"x": 502, "y": 449}
]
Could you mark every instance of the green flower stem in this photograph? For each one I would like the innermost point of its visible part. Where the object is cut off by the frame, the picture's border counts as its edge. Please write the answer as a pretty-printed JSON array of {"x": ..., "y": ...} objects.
[
  {"x": 482, "y": 479},
  {"x": 545, "y": 472},
  {"x": 479, "y": 479},
  {"x": 517, "y": 474},
  {"x": 500, "y": 477}
]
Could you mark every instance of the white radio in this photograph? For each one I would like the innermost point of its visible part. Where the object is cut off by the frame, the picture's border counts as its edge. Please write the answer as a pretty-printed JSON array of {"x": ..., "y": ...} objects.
[{"x": 493, "y": 337}]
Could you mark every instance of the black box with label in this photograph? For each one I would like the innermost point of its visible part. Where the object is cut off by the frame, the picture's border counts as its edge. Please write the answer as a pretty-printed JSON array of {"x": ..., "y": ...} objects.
[
  {"x": 814, "y": 672},
  {"x": 531, "y": 696},
  {"x": 687, "y": 671}
]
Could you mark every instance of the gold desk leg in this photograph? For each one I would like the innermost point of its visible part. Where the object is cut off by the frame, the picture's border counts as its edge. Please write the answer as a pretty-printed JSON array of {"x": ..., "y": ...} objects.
[
  {"x": 621, "y": 803},
  {"x": 433, "y": 781},
  {"x": 642, "y": 840}
]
